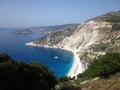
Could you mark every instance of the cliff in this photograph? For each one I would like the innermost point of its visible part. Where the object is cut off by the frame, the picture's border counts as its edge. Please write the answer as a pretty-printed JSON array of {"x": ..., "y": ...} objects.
[{"x": 89, "y": 39}]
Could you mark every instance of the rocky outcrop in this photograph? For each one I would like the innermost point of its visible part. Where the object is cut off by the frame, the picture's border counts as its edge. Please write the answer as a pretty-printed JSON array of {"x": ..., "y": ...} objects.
[{"x": 89, "y": 39}]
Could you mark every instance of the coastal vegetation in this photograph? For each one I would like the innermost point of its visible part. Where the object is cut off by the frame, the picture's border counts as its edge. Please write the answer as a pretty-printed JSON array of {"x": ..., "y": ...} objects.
[
  {"x": 103, "y": 66},
  {"x": 22, "y": 76}
]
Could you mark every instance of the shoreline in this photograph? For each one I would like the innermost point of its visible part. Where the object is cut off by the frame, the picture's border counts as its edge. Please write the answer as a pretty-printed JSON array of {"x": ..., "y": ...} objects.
[{"x": 76, "y": 68}]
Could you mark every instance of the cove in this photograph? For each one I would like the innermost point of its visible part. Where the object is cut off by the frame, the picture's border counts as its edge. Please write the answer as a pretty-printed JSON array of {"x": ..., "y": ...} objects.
[{"x": 57, "y": 60}]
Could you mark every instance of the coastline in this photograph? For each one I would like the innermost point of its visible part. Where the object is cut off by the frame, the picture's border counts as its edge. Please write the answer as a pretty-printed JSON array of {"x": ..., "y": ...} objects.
[{"x": 77, "y": 66}]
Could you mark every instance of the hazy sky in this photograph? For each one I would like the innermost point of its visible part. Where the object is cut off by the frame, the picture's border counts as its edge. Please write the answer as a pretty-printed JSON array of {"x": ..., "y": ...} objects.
[{"x": 26, "y": 13}]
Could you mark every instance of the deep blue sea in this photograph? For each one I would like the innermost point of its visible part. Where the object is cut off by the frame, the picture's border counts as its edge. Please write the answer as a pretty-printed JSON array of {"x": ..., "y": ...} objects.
[{"x": 14, "y": 45}]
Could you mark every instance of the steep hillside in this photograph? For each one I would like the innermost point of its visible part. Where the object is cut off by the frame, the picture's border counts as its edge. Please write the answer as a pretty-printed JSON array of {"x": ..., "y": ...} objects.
[
  {"x": 89, "y": 39},
  {"x": 111, "y": 83},
  {"x": 55, "y": 37}
]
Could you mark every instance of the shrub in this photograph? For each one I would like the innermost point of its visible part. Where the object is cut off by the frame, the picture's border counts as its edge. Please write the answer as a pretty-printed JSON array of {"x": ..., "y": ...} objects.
[
  {"x": 22, "y": 76},
  {"x": 103, "y": 66}
]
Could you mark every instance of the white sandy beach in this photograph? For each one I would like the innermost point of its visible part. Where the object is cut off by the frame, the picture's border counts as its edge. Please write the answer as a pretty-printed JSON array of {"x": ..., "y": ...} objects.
[{"x": 77, "y": 66}]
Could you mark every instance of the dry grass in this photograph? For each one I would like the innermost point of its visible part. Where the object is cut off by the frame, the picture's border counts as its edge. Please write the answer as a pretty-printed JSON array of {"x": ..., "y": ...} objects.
[{"x": 112, "y": 83}]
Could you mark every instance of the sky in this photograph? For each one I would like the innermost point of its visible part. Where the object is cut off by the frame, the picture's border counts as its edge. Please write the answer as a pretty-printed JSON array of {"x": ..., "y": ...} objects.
[{"x": 32, "y": 13}]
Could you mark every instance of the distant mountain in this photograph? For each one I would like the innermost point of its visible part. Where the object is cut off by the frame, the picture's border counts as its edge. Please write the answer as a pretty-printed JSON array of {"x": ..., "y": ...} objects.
[
  {"x": 43, "y": 29},
  {"x": 49, "y": 29},
  {"x": 24, "y": 31}
]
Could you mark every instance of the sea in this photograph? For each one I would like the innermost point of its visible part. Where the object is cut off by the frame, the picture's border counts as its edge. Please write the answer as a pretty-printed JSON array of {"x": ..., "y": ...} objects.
[{"x": 58, "y": 60}]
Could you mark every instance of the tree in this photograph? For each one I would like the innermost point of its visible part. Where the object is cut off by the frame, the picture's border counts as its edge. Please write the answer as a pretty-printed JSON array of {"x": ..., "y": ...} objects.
[{"x": 22, "y": 76}]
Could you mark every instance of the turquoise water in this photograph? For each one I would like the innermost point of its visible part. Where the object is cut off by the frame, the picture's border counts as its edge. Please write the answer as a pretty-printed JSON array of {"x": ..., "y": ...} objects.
[{"x": 57, "y": 60}]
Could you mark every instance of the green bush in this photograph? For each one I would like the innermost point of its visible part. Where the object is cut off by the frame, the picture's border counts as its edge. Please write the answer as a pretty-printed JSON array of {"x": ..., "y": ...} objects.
[
  {"x": 63, "y": 79},
  {"x": 103, "y": 66}
]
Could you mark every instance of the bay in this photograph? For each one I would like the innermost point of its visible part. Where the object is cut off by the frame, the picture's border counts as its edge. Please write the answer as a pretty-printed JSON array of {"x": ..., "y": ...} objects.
[{"x": 57, "y": 60}]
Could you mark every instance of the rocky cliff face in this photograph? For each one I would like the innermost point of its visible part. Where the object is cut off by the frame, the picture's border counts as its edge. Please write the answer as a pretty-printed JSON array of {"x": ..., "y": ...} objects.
[{"x": 89, "y": 39}]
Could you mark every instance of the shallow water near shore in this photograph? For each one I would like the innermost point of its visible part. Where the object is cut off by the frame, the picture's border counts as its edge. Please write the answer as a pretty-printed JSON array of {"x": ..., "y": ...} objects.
[{"x": 57, "y": 60}]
